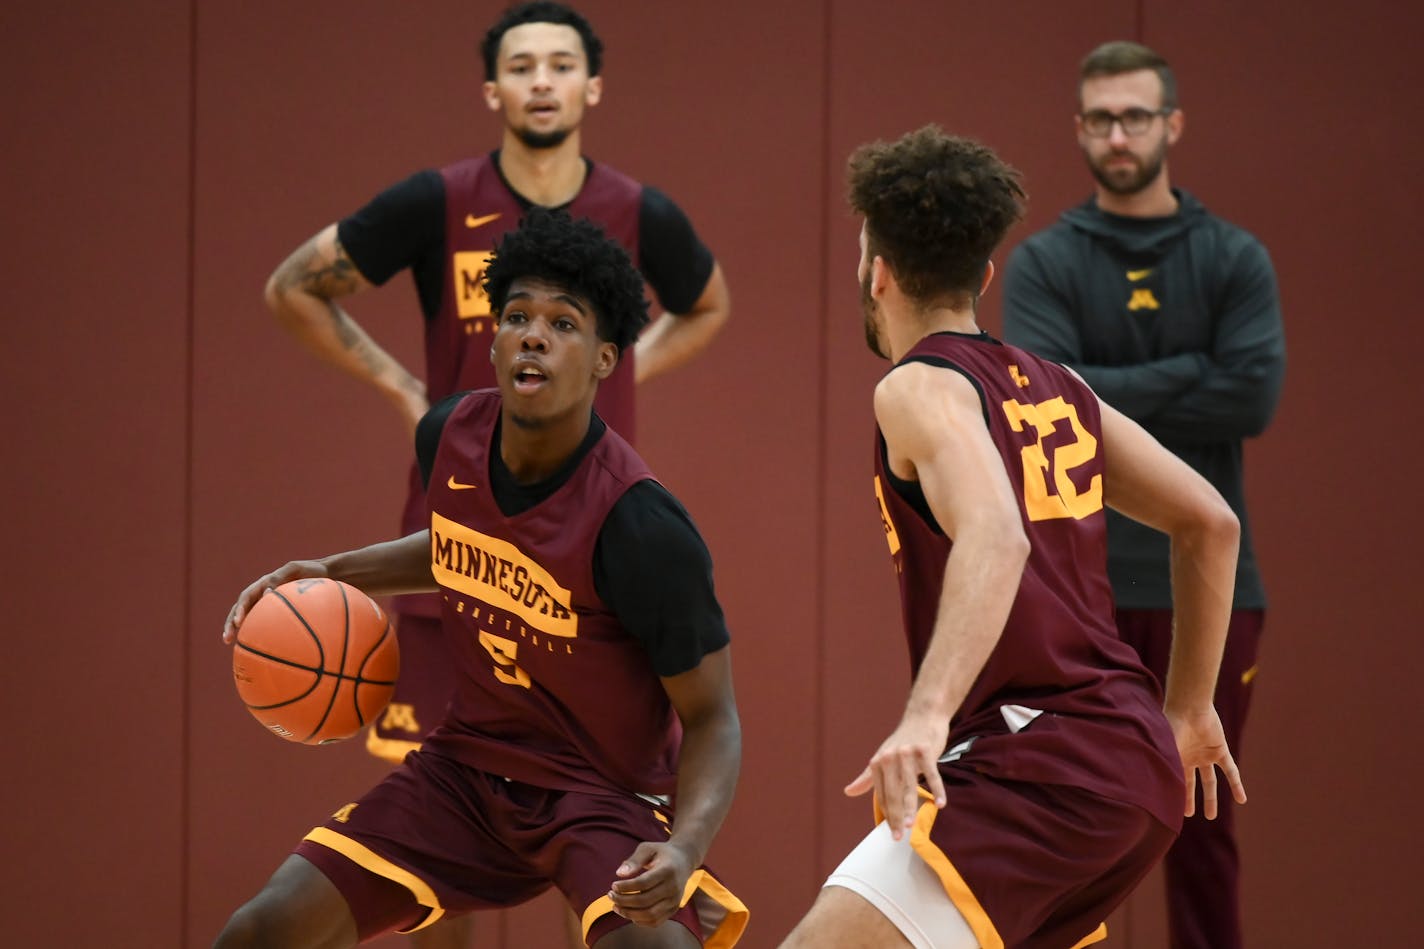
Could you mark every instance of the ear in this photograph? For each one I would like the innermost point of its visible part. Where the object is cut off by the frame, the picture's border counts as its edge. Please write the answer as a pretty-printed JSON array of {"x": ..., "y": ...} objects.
[
  {"x": 880, "y": 277},
  {"x": 1176, "y": 124},
  {"x": 605, "y": 360},
  {"x": 988, "y": 277},
  {"x": 491, "y": 96},
  {"x": 1078, "y": 130},
  {"x": 593, "y": 92}
]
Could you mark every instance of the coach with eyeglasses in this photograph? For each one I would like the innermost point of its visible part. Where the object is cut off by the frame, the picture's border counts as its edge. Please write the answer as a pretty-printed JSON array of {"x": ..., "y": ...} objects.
[{"x": 1172, "y": 315}]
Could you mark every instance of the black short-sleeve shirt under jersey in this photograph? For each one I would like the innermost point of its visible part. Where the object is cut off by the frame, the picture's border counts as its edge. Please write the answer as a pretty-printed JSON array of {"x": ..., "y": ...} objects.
[
  {"x": 650, "y": 565},
  {"x": 404, "y": 226}
]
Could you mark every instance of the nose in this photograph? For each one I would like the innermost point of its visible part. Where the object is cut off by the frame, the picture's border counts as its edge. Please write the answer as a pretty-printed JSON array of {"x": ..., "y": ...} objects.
[
  {"x": 535, "y": 338},
  {"x": 543, "y": 77},
  {"x": 1117, "y": 135}
]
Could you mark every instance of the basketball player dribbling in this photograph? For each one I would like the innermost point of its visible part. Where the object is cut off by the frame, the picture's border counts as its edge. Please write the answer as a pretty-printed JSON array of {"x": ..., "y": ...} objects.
[{"x": 592, "y": 657}]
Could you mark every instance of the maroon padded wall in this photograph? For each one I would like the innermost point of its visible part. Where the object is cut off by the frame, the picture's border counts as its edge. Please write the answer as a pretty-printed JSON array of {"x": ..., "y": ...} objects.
[
  {"x": 164, "y": 158},
  {"x": 93, "y": 492}
]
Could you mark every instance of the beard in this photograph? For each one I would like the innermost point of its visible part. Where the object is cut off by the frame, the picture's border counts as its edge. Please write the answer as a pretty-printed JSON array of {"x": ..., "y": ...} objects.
[
  {"x": 542, "y": 140},
  {"x": 1128, "y": 181},
  {"x": 869, "y": 308}
]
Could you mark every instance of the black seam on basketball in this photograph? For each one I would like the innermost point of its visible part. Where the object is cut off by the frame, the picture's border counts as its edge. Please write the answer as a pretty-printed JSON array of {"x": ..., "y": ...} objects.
[
  {"x": 321, "y": 653},
  {"x": 361, "y": 670},
  {"x": 282, "y": 662},
  {"x": 306, "y": 668},
  {"x": 345, "y": 650}
]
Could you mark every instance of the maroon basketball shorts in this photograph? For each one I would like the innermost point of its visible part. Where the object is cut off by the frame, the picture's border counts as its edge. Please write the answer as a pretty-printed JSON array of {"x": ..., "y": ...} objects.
[
  {"x": 427, "y": 680},
  {"x": 437, "y": 837},
  {"x": 1035, "y": 866}
]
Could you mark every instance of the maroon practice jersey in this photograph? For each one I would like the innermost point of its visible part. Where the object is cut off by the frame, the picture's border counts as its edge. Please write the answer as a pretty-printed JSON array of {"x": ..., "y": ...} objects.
[
  {"x": 480, "y": 208},
  {"x": 552, "y": 690},
  {"x": 1061, "y": 698}
]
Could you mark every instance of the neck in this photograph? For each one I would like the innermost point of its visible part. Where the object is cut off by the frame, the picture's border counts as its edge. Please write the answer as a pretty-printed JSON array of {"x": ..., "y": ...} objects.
[
  {"x": 549, "y": 177},
  {"x": 533, "y": 452},
  {"x": 1155, "y": 200},
  {"x": 908, "y": 330}
]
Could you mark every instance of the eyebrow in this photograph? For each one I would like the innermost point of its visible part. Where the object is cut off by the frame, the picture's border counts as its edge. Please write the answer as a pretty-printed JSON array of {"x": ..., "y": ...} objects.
[
  {"x": 556, "y": 54},
  {"x": 559, "y": 297}
]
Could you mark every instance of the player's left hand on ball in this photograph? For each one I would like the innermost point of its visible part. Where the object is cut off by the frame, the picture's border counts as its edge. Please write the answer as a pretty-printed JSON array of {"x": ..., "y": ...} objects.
[
  {"x": 651, "y": 881},
  {"x": 894, "y": 772}
]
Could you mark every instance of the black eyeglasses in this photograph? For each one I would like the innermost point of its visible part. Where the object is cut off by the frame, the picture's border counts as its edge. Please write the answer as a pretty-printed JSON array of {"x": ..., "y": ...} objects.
[{"x": 1099, "y": 122}]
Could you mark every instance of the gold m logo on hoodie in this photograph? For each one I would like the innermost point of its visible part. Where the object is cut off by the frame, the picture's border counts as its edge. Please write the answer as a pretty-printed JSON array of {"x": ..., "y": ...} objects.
[{"x": 1142, "y": 299}]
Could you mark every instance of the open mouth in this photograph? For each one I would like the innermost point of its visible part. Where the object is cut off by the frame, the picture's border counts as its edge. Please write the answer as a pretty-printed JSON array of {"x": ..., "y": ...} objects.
[{"x": 528, "y": 378}]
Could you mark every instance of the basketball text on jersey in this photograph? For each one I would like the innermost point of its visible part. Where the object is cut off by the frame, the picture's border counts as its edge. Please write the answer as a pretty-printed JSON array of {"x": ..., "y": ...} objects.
[{"x": 500, "y": 574}]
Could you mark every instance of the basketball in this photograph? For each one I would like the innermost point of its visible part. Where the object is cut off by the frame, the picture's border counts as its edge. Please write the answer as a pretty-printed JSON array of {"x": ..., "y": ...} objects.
[{"x": 315, "y": 661}]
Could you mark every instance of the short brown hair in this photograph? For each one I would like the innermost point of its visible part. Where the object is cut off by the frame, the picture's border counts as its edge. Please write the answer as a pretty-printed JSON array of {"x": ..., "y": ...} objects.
[
  {"x": 1122, "y": 56},
  {"x": 935, "y": 207}
]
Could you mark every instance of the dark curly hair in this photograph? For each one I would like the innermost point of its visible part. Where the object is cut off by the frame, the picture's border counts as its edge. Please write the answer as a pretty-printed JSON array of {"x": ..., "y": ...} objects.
[
  {"x": 935, "y": 207},
  {"x": 578, "y": 257},
  {"x": 540, "y": 11}
]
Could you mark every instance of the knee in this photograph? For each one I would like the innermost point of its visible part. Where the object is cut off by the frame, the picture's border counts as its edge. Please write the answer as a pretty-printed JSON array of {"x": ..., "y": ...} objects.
[{"x": 250, "y": 927}]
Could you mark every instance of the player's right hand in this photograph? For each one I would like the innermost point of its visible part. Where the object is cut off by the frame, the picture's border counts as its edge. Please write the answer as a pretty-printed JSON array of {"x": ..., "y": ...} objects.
[
  {"x": 295, "y": 570},
  {"x": 894, "y": 771},
  {"x": 1201, "y": 742}
]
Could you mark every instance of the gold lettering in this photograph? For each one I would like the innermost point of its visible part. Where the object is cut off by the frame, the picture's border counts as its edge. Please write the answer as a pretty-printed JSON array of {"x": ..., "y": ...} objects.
[
  {"x": 891, "y": 537},
  {"x": 542, "y": 603},
  {"x": 470, "y": 298}
]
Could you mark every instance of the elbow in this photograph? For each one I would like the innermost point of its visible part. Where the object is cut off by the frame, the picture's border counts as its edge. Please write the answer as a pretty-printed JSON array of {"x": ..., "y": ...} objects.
[
  {"x": 1220, "y": 525},
  {"x": 275, "y": 296},
  {"x": 1011, "y": 547}
]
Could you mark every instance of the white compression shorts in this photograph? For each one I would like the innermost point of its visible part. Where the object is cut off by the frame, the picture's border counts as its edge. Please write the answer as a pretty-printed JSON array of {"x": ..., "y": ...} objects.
[{"x": 896, "y": 881}]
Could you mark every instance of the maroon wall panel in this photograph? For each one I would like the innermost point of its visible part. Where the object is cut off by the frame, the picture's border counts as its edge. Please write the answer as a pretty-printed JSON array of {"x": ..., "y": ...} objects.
[
  {"x": 1292, "y": 133},
  {"x": 95, "y": 375},
  {"x": 304, "y": 112}
]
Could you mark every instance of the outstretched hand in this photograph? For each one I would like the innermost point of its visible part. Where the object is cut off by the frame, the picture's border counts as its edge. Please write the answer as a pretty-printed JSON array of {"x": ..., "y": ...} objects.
[
  {"x": 651, "y": 882},
  {"x": 296, "y": 570},
  {"x": 1202, "y": 746},
  {"x": 894, "y": 772}
]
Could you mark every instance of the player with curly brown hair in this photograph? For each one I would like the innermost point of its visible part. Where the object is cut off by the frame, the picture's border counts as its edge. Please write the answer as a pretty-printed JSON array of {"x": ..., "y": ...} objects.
[{"x": 1034, "y": 777}]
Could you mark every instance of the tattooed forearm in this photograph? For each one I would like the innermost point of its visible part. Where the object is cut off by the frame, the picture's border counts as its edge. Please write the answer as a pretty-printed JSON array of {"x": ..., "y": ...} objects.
[
  {"x": 306, "y": 269},
  {"x": 348, "y": 332}
]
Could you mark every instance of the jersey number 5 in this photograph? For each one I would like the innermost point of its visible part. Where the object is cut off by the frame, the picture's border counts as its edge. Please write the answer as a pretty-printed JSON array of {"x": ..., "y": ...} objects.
[
  {"x": 1048, "y": 490},
  {"x": 503, "y": 652}
]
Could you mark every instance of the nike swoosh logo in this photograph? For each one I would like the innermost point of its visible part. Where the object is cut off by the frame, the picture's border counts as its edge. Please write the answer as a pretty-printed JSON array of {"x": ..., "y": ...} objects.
[
  {"x": 472, "y": 222},
  {"x": 457, "y": 486},
  {"x": 1133, "y": 275}
]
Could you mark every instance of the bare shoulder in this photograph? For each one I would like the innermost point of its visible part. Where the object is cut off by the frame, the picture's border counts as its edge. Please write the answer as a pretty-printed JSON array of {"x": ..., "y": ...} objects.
[{"x": 918, "y": 397}]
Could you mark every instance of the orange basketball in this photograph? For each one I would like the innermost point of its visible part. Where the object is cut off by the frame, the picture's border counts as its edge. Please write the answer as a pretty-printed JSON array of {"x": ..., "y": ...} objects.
[{"x": 315, "y": 660}]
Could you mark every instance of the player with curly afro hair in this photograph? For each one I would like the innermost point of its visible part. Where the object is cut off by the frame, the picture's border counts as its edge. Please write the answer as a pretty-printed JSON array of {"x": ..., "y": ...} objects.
[{"x": 576, "y": 255}]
